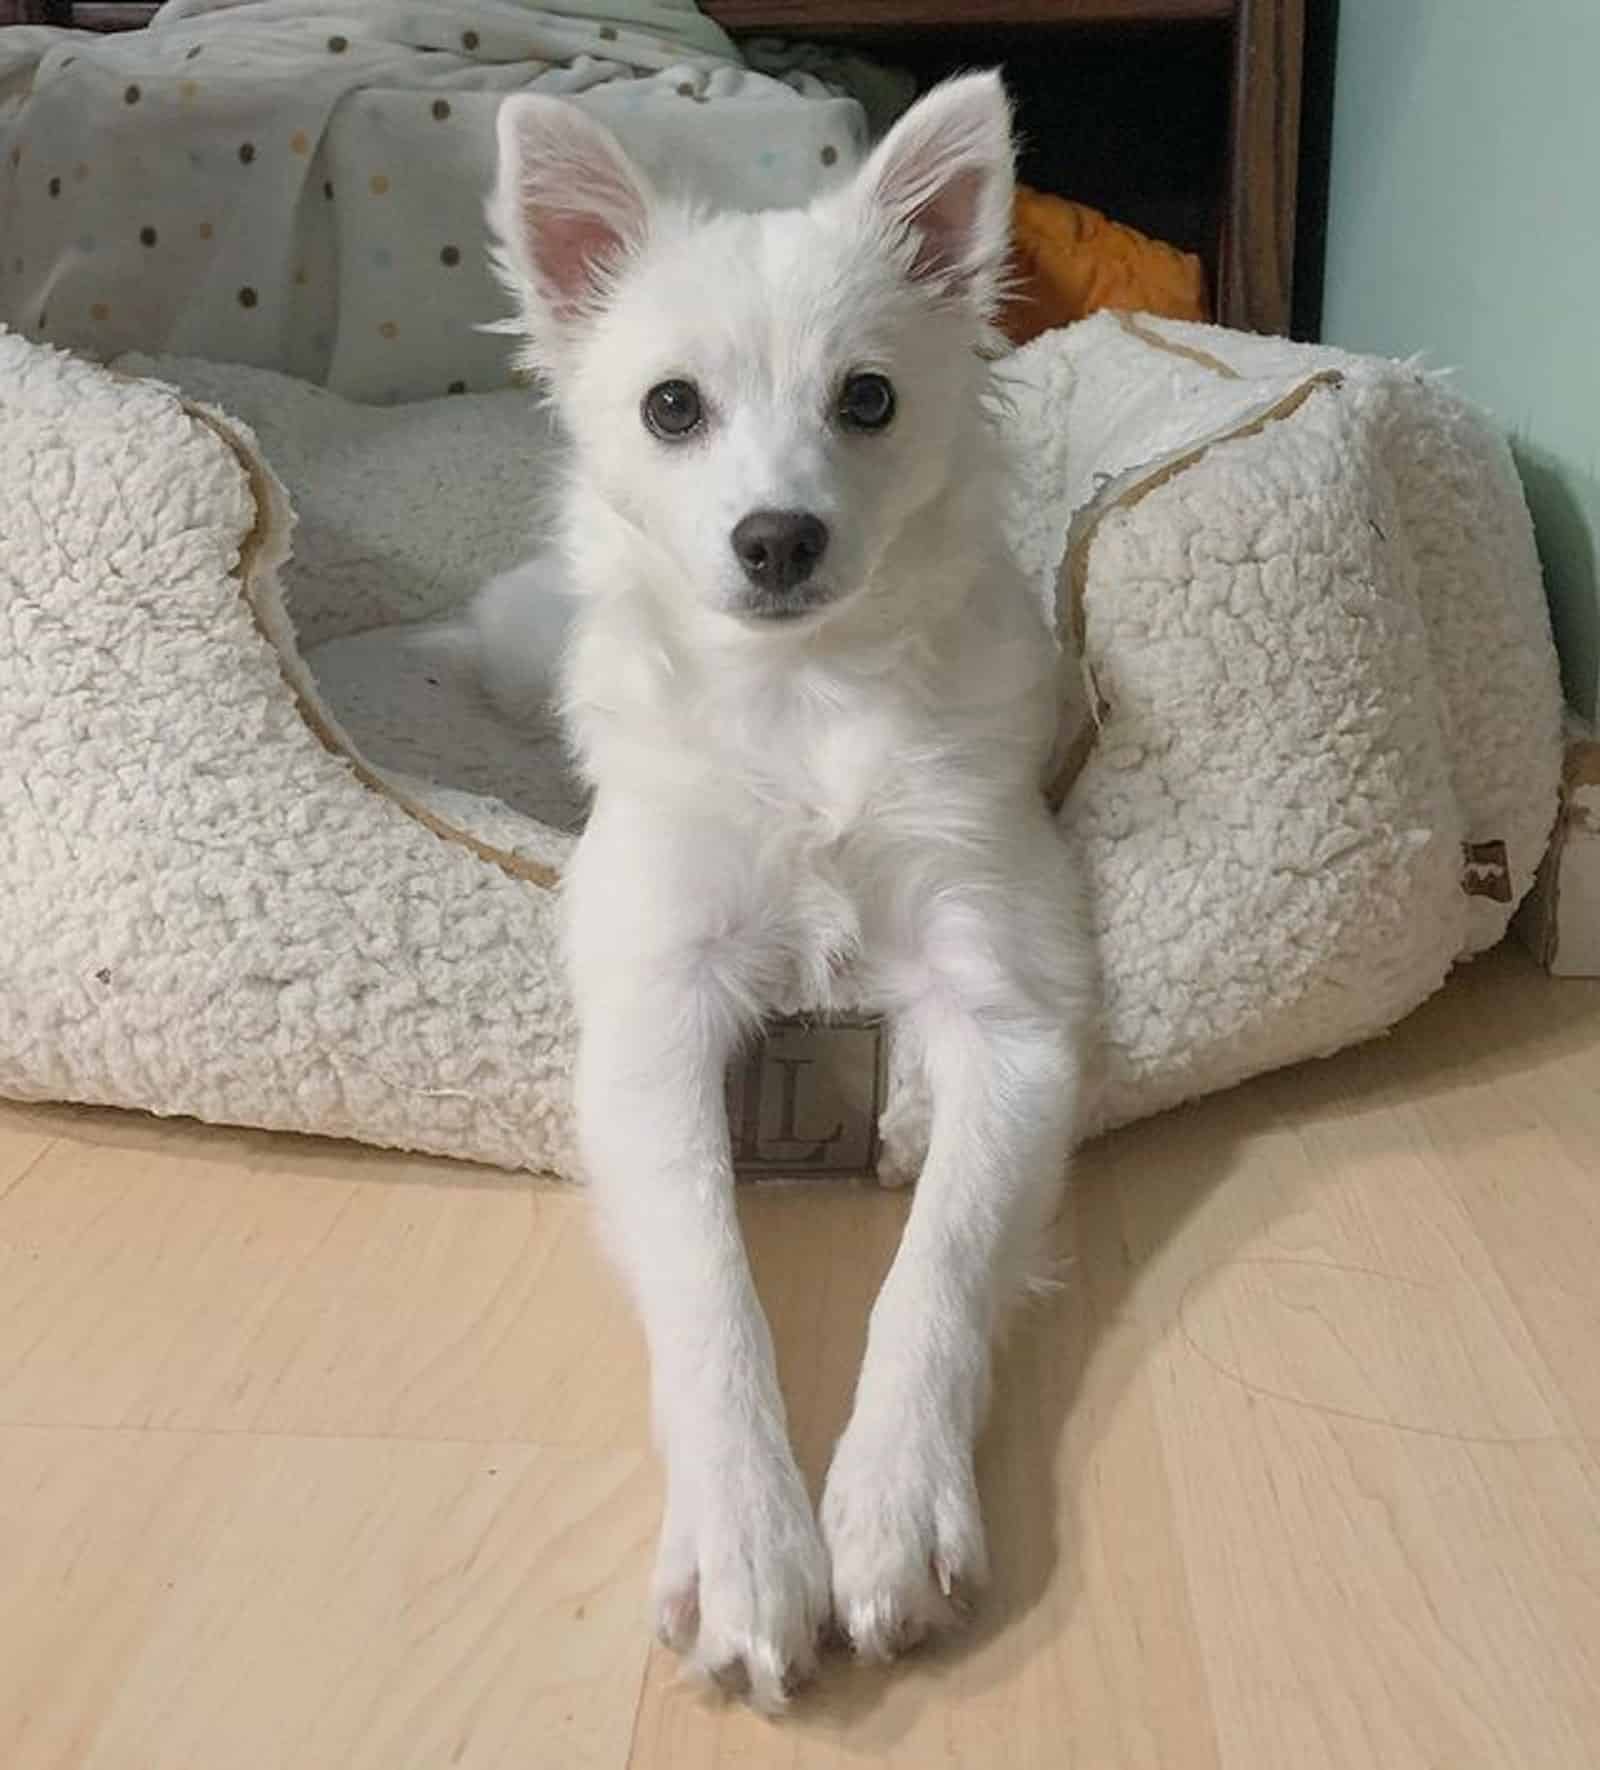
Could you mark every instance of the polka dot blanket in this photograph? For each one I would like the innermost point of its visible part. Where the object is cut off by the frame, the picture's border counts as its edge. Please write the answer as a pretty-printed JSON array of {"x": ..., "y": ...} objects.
[{"x": 300, "y": 187}]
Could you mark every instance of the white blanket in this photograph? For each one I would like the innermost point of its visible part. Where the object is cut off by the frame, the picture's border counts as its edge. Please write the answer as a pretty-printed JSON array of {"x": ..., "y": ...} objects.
[{"x": 299, "y": 187}]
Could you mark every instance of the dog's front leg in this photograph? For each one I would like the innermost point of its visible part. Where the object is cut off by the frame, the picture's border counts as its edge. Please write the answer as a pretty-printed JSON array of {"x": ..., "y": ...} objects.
[
  {"x": 741, "y": 1582},
  {"x": 999, "y": 1049}
]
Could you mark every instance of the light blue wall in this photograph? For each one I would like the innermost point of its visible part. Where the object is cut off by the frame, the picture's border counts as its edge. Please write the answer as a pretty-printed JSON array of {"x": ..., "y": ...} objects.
[{"x": 1464, "y": 223}]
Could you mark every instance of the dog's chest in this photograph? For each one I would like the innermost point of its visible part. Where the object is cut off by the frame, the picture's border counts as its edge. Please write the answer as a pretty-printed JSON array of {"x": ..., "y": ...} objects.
[
  {"x": 816, "y": 926},
  {"x": 817, "y": 784},
  {"x": 823, "y": 868},
  {"x": 826, "y": 777}
]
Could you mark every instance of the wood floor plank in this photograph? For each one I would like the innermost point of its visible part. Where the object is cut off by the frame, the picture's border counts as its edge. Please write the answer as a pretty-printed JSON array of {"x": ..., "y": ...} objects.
[
  {"x": 178, "y": 1289},
  {"x": 21, "y": 1145},
  {"x": 178, "y": 1600},
  {"x": 332, "y": 1459},
  {"x": 1385, "y": 1498}
]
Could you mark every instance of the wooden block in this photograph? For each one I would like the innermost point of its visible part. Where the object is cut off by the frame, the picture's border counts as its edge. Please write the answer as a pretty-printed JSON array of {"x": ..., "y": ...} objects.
[{"x": 805, "y": 1103}]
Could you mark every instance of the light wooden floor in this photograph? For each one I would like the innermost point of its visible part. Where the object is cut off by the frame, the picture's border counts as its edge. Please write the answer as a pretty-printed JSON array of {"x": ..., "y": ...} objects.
[{"x": 319, "y": 1458}]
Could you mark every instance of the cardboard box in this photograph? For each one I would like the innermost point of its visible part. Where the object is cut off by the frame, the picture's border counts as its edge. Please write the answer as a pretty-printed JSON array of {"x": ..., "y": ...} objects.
[{"x": 1559, "y": 920}]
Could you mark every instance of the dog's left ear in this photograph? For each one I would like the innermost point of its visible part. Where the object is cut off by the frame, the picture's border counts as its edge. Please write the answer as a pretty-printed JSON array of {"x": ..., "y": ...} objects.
[
  {"x": 568, "y": 206},
  {"x": 942, "y": 180}
]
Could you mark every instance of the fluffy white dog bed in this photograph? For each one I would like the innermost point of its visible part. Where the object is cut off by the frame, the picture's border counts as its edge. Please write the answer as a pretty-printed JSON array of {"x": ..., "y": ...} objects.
[{"x": 1325, "y": 766}]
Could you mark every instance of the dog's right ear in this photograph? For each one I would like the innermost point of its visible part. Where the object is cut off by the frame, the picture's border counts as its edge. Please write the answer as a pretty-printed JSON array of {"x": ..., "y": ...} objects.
[{"x": 568, "y": 206}]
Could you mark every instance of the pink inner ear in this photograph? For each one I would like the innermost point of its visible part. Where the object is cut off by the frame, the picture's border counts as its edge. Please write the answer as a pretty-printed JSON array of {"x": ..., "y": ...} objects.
[
  {"x": 571, "y": 250},
  {"x": 945, "y": 227}
]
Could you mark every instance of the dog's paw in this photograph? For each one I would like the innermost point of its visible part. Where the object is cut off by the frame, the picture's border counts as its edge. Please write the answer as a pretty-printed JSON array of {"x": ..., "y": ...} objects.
[
  {"x": 741, "y": 1590},
  {"x": 905, "y": 1537},
  {"x": 903, "y": 1129},
  {"x": 899, "y": 1163}
]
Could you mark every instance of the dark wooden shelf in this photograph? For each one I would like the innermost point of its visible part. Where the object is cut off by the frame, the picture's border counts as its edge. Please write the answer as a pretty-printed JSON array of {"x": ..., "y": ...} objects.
[
  {"x": 838, "y": 18},
  {"x": 109, "y": 15}
]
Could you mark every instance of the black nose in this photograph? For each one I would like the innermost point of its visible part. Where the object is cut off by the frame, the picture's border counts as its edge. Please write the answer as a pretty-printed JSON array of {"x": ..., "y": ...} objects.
[{"x": 779, "y": 548}]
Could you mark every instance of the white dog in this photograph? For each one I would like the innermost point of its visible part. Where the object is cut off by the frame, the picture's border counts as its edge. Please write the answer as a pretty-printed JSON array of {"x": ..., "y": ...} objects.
[{"x": 812, "y": 696}]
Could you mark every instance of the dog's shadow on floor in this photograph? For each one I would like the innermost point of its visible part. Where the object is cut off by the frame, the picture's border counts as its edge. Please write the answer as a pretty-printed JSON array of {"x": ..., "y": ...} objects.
[{"x": 1075, "y": 1360}]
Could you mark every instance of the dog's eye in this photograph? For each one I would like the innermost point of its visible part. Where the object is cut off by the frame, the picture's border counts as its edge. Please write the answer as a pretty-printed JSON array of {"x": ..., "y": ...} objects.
[
  {"x": 866, "y": 402},
  {"x": 673, "y": 409}
]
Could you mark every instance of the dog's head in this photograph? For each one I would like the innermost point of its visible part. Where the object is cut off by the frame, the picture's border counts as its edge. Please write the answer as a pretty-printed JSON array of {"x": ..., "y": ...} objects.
[{"x": 768, "y": 399}]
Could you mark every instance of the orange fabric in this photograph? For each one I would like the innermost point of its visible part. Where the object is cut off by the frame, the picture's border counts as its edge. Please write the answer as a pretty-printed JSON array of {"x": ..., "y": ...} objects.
[{"x": 1071, "y": 261}]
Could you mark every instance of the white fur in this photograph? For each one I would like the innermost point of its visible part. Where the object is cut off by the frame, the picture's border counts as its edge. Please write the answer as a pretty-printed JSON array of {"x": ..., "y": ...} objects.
[
  {"x": 518, "y": 625},
  {"x": 840, "y": 810}
]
